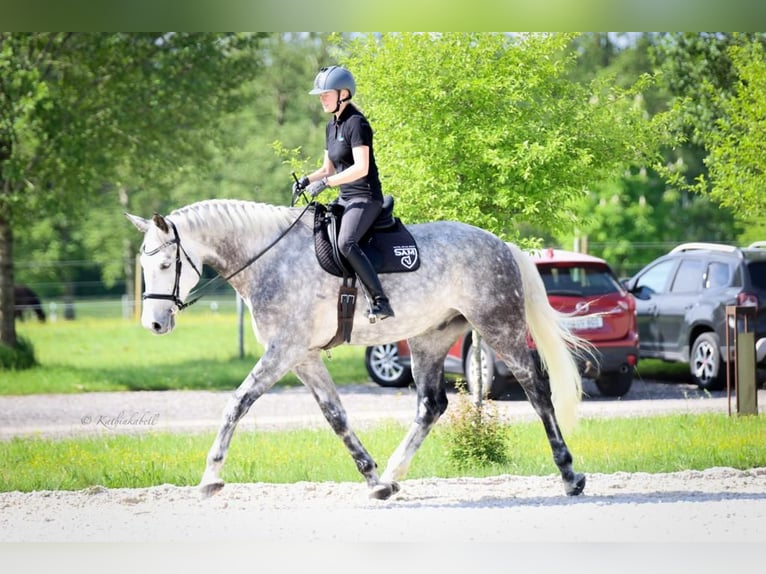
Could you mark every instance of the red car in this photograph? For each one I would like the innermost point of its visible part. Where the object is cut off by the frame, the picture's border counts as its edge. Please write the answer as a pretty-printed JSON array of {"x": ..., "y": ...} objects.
[{"x": 597, "y": 308}]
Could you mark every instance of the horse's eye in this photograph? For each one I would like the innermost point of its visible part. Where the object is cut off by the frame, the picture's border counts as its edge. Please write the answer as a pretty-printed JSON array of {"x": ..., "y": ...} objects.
[{"x": 165, "y": 265}]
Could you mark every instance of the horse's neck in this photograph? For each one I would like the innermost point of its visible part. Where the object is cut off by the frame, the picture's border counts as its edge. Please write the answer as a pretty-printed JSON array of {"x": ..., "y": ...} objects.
[{"x": 230, "y": 232}]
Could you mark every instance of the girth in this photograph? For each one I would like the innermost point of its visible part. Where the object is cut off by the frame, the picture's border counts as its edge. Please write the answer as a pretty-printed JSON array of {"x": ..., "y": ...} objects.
[{"x": 388, "y": 245}]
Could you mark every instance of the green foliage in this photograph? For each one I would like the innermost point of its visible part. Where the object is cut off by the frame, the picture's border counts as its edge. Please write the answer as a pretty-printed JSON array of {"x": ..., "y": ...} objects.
[
  {"x": 475, "y": 434},
  {"x": 489, "y": 129},
  {"x": 19, "y": 357},
  {"x": 631, "y": 219},
  {"x": 80, "y": 112},
  {"x": 717, "y": 81},
  {"x": 737, "y": 162},
  {"x": 697, "y": 69}
]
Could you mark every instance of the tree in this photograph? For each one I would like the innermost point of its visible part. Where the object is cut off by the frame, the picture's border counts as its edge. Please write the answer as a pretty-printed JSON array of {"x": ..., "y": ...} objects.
[
  {"x": 489, "y": 129},
  {"x": 705, "y": 74},
  {"x": 77, "y": 110},
  {"x": 638, "y": 216},
  {"x": 736, "y": 162}
]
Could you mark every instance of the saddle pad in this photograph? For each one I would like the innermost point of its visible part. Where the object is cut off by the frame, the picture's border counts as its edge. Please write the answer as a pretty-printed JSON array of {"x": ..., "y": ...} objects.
[{"x": 390, "y": 250}]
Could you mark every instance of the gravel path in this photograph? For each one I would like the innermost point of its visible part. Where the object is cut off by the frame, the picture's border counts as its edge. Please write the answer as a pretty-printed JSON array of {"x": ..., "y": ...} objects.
[
  {"x": 718, "y": 504},
  {"x": 366, "y": 403}
]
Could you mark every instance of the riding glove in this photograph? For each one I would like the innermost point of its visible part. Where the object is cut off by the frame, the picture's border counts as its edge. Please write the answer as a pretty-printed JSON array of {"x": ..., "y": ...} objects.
[
  {"x": 300, "y": 185},
  {"x": 317, "y": 187}
]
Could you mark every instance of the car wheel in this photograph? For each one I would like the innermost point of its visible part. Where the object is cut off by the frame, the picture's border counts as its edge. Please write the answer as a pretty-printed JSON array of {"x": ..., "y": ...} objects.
[
  {"x": 384, "y": 367},
  {"x": 706, "y": 364},
  {"x": 616, "y": 383},
  {"x": 493, "y": 385}
]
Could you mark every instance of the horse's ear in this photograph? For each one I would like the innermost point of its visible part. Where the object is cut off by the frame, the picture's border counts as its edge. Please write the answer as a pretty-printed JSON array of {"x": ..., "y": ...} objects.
[
  {"x": 160, "y": 222},
  {"x": 141, "y": 224}
]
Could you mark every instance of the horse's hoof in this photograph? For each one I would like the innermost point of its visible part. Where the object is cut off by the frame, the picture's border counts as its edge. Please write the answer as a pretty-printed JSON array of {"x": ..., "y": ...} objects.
[
  {"x": 577, "y": 486},
  {"x": 210, "y": 489},
  {"x": 384, "y": 490}
]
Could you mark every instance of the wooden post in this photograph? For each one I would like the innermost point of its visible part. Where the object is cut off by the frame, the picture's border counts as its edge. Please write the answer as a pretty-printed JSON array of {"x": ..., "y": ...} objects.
[
  {"x": 137, "y": 276},
  {"x": 744, "y": 359}
]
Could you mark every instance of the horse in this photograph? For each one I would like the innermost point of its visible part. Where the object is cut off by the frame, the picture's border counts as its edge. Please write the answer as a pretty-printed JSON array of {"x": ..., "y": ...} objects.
[
  {"x": 467, "y": 277},
  {"x": 24, "y": 299}
]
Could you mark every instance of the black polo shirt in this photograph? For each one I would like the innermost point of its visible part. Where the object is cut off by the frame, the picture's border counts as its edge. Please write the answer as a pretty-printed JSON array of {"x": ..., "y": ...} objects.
[{"x": 352, "y": 130}]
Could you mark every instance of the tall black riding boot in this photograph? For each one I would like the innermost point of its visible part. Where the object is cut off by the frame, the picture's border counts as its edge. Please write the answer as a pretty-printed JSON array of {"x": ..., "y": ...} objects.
[{"x": 381, "y": 308}]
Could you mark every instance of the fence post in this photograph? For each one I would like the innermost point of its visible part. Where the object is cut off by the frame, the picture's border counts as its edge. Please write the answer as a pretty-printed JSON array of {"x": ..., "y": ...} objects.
[
  {"x": 240, "y": 326},
  {"x": 137, "y": 277},
  {"x": 739, "y": 320}
]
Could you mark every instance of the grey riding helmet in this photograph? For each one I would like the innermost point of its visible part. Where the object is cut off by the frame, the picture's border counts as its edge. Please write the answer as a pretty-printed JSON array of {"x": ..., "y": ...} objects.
[{"x": 333, "y": 78}]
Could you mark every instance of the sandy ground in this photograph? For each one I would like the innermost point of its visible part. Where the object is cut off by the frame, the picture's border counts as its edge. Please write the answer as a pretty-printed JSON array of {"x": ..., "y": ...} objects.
[{"x": 715, "y": 505}]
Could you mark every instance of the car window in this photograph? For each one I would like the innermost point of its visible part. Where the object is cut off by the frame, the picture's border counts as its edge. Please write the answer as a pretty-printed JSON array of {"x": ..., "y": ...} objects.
[
  {"x": 688, "y": 278},
  {"x": 717, "y": 275},
  {"x": 757, "y": 274},
  {"x": 579, "y": 280},
  {"x": 655, "y": 279}
]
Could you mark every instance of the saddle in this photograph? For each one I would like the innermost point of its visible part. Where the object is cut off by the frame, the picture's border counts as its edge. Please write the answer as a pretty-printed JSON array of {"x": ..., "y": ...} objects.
[{"x": 388, "y": 245}]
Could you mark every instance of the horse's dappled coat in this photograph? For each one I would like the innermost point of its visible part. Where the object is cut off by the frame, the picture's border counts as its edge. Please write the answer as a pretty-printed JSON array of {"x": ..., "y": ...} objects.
[{"x": 467, "y": 276}]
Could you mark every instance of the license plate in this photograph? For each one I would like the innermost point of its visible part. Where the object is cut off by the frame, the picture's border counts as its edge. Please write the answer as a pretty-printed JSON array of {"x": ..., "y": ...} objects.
[{"x": 586, "y": 323}]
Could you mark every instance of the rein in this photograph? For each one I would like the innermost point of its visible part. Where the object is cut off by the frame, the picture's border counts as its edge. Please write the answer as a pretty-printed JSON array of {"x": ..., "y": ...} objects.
[{"x": 199, "y": 293}]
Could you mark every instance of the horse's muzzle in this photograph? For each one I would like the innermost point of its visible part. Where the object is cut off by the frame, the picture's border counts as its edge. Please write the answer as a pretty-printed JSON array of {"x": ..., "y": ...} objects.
[{"x": 160, "y": 325}]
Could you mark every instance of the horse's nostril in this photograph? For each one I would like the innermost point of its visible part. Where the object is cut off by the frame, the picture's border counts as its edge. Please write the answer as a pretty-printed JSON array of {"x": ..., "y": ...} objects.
[{"x": 156, "y": 327}]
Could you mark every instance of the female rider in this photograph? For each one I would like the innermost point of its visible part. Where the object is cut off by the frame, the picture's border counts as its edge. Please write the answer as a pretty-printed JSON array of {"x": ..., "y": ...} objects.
[{"x": 349, "y": 162}]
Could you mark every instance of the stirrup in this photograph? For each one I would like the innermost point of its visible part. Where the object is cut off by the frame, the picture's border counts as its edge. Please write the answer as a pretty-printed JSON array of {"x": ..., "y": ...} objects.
[{"x": 380, "y": 309}]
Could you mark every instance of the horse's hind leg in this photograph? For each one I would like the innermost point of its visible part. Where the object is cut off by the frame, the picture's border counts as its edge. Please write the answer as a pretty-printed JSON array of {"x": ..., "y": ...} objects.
[
  {"x": 538, "y": 391},
  {"x": 428, "y": 351},
  {"x": 539, "y": 394},
  {"x": 313, "y": 373}
]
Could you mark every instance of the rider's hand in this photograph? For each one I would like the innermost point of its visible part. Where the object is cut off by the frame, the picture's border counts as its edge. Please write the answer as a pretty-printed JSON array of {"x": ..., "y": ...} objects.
[
  {"x": 317, "y": 187},
  {"x": 300, "y": 185}
]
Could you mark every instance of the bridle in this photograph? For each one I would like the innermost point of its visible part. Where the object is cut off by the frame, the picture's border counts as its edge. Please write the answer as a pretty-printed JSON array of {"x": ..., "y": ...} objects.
[{"x": 175, "y": 295}]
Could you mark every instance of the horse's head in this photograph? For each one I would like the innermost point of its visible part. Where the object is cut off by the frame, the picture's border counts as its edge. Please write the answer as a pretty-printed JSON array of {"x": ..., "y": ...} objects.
[{"x": 171, "y": 270}]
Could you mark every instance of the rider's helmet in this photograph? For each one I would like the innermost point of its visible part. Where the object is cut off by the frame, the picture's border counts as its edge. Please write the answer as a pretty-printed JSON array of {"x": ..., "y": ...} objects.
[{"x": 334, "y": 78}]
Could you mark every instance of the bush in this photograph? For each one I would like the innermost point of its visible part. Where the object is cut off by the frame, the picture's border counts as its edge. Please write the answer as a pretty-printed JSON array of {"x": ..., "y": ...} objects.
[
  {"x": 22, "y": 356},
  {"x": 476, "y": 436}
]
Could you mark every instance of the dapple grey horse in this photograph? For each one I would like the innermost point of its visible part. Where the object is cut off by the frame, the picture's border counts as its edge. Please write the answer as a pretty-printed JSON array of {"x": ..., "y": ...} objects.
[{"x": 467, "y": 277}]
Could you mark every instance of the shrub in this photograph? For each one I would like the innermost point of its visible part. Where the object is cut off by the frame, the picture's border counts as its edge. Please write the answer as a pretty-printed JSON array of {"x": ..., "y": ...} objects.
[
  {"x": 475, "y": 434},
  {"x": 22, "y": 356}
]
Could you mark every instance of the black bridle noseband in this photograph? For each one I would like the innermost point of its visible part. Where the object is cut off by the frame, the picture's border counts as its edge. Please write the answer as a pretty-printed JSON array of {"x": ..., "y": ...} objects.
[{"x": 174, "y": 296}]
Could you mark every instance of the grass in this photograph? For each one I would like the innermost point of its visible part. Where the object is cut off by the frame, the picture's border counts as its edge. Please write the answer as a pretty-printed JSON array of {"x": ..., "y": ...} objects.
[
  {"x": 93, "y": 354},
  {"x": 658, "y": 444}
]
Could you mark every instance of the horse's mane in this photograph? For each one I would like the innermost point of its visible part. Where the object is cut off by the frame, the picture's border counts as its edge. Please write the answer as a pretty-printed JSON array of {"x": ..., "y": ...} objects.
[{"x": 234, "y": 214}]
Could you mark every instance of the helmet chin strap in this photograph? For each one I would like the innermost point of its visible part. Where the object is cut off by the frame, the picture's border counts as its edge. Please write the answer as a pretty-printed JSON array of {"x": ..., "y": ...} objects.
[{"x": 340, "y": 101}]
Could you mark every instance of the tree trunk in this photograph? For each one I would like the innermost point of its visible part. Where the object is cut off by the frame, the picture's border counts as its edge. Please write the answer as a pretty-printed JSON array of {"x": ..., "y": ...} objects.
[
  {"x": 7, "y": 320},
  {"x": 129, "y": 259}
]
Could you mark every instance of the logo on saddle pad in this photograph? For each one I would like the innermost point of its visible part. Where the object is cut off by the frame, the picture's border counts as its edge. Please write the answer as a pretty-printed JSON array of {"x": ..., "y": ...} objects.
[{"x": 408, "y": 255}]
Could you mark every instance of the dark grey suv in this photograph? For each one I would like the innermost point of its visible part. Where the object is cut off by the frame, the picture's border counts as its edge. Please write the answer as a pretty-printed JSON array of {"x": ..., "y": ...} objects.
[{"x": 681, "y": 301}]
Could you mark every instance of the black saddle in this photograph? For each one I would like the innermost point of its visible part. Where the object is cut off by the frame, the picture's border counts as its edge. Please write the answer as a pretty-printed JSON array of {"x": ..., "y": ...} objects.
[{"x": 388, "y": 245}]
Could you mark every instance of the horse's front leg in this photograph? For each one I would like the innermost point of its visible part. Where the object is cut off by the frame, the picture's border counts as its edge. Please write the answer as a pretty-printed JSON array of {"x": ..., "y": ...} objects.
[
  {"x": 313, "y": 373},
  {"x": 263, "y": 376}
]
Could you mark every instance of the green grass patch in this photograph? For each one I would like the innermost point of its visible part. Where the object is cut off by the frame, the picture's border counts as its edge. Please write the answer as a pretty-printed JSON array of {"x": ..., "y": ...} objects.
[
  {"x": 92, "y": 354},
  {"x": 657, "y": 444},
  {"x": 657, "y": 369}
]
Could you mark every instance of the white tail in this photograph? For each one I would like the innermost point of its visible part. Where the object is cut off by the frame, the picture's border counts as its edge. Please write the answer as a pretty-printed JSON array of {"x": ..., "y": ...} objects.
[{"x": 559, "y": 348}]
